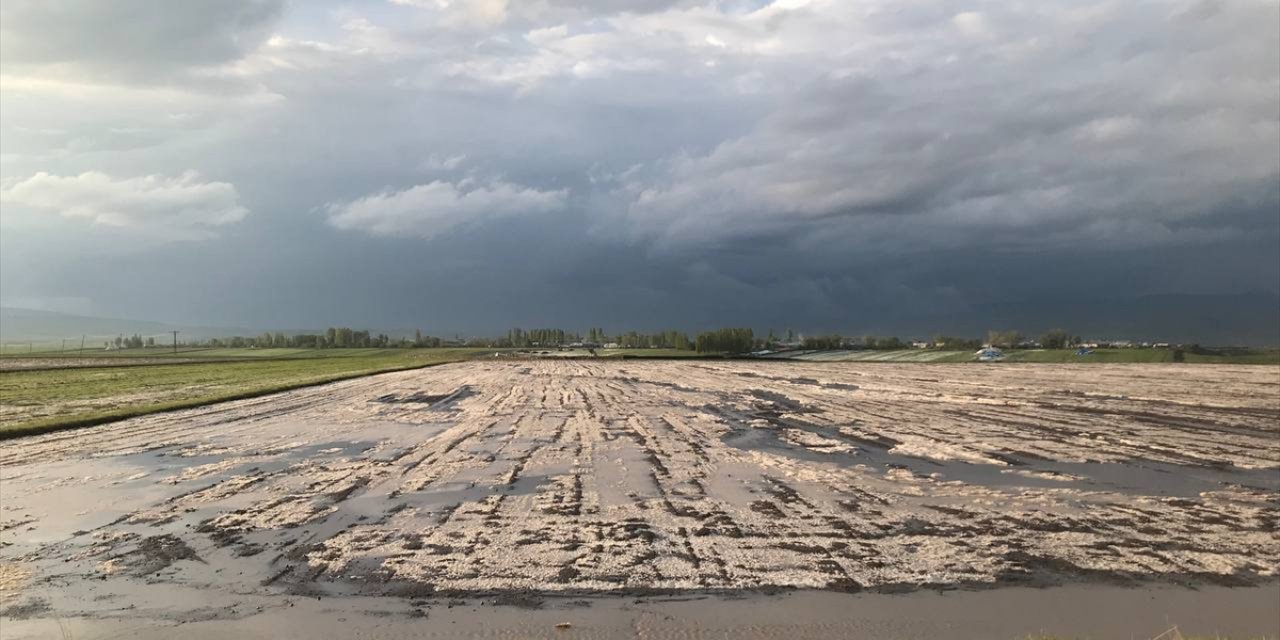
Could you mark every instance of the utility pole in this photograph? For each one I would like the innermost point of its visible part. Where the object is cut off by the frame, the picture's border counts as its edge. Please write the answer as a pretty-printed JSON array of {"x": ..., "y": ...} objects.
[
  {"x": 82, "y": 345},
  {"x": 64, "y": 346},
  {"x": 175, "y": 341}
]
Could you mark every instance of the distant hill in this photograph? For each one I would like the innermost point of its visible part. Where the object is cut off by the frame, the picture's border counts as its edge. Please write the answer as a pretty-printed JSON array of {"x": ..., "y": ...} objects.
[
  {"x": 23, "y": 325},
  {"x": 1250, "y": 319},
  {"x": 20, "y": 325}
]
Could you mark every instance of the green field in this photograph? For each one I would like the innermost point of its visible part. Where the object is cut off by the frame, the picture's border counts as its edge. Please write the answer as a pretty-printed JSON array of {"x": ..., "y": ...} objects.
[
  {"x": 200, "y": 353},
  {"x": 1259, "y": 356},
  {"x": 58, "y": 398},
  {"x": 648, "y": 353}
]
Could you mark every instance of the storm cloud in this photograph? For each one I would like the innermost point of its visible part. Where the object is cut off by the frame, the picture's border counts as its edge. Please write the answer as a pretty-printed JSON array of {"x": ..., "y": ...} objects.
[{"x": 470, "y": 166}]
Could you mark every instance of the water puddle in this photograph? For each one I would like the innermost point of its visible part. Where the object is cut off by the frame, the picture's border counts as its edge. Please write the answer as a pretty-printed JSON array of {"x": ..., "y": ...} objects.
[
  {"x": 436, "y": 401},
  {"x": 1139, "y": 477}
]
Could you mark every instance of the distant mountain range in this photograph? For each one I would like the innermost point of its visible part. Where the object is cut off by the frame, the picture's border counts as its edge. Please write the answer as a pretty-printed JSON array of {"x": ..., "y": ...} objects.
[
  {"x": 20, "y": 325},
  {"x": 1251, "y": 319}
]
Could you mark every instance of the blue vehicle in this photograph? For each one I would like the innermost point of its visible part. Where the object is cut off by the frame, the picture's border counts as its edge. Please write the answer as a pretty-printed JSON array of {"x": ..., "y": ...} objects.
[{"x": 990, "y": 354}]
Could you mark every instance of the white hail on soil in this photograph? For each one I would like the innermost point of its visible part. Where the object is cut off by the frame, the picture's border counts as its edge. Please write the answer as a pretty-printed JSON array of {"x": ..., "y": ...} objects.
[{"x": 608, "y": 476}]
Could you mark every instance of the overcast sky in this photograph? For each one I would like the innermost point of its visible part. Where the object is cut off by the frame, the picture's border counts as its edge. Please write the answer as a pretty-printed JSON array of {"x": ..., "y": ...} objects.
[{"x": 478, "y": 164}]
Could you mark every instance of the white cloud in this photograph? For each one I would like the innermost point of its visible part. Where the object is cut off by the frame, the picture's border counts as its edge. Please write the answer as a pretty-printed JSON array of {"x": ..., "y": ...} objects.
[
  {"x": 435, "y": 162},
  {"x": 1110, "y": 128},
  {"x": 970, "y": 23},
  {"x": 182, "y": 206},
  {"x": 463, "y": 13},
  {"x": 427, "y": 210}
]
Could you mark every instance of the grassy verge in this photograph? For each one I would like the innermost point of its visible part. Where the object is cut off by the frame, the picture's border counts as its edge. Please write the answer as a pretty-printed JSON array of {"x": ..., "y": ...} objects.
[
  {"x": 649, "y": 353},
  {"x": 1258, "y": 356},
  {"x": 53, "y": 399},
  {"x": 1099, "y": 355},
  {"x": 197, "y": 353}
]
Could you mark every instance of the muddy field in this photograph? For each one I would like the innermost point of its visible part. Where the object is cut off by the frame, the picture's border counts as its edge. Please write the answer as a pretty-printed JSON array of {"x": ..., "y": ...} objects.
[{"x": 524, "y": 481}]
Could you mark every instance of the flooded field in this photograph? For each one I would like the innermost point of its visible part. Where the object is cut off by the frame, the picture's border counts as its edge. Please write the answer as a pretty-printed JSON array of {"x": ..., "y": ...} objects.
[{"x": 543, "y": 484}]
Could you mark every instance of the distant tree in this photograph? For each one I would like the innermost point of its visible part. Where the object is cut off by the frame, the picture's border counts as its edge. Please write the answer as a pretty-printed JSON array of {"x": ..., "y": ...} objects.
[
  {"x": 833, "y": 341},
  {"x": 342, "y": 337},
  {"x": 879, "y": 343},
  {"x": 1004, "y": 339},
  {"x": 1055, "y": 339},
  {"x": 953, "y": 343},
  {"x": 730, "y": 340}
]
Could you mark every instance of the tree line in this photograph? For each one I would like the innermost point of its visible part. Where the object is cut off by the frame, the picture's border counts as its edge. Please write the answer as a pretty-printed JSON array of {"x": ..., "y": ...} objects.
[
  {"x": 662, "y": 340},
  {"x": 1004, "y": 339},
  {"x": 332, "y": 338},
  {"x": 1051, "y": 339},
  {"x": 595, "y": 337},
  {"x": 836, "y": 341},
  {"x": 134, "y": 341},
  {"x": 540, "y": 338},
  {"x": 348, "y": 338},
  {"x": 728, "y": 340}
]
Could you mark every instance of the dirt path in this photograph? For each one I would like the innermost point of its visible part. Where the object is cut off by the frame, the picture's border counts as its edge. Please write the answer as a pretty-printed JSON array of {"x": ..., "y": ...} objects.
[{"x": 519, "y": 481}]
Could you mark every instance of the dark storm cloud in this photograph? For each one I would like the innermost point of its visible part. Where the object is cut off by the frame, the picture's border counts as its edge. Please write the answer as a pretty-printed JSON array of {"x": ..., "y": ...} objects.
[
  {"x": 988, "y": 136},
  {"x": 473, "y": 165}
]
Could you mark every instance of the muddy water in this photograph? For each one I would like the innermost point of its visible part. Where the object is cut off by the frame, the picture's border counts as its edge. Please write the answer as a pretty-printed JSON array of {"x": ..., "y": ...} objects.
[
  {"x": 1012, "y": 614},
  {"x": 544, "y": 483},
  {"x": 1132, "y": 477}
]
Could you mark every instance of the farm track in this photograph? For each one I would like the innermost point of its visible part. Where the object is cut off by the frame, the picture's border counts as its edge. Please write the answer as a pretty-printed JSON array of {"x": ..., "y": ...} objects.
[{"x": 581, "y": 477}]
